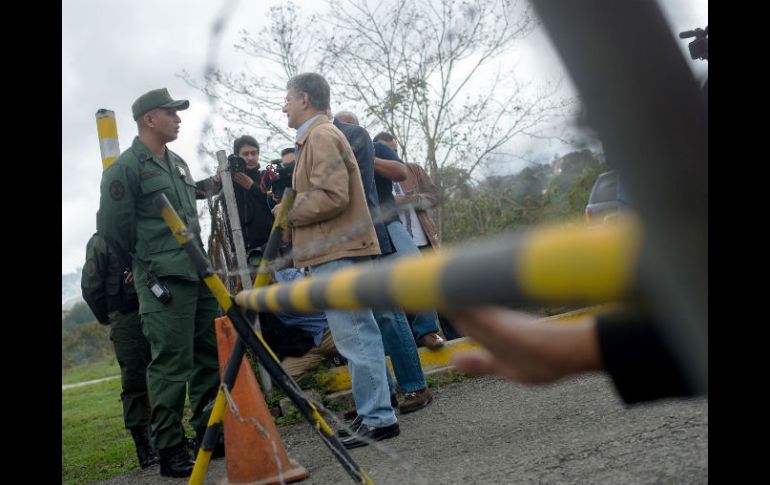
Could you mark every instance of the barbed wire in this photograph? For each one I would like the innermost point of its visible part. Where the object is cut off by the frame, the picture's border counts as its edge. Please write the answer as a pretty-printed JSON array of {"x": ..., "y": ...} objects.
[
  {"x": 221, "y": 247},
  {"x": 384, "y": 216}
]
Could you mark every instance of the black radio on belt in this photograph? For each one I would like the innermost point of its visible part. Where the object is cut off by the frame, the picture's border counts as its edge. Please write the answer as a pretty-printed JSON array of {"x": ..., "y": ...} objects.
[
  {"x": 158, "y": 289},
  {"x": 153, "y": 283}
]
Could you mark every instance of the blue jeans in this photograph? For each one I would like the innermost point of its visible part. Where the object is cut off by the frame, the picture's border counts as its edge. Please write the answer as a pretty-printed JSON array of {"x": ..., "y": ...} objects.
[
  {"x": 358, "y": 339},
  {"x": 423, "y": 323},
  {"x": 399, "y": 345}
]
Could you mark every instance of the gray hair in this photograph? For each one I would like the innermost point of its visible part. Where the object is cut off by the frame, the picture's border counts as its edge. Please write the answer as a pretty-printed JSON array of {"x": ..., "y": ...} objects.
[
  {"x": 315, "y": 86},
  {"x": 348, "y": 114}
]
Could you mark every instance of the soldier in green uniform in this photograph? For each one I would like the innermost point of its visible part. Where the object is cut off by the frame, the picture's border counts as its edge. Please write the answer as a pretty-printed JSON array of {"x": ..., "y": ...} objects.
[
  {"x": 180, "y": 329},
  {"x": 109, "y": 292}
]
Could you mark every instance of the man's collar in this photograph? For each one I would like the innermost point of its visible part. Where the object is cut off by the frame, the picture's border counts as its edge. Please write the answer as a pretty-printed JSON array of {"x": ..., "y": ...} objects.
[
  {"x": 143, "y": 154},
  {"x": 304, "y": 130},
  {"x": 140, "y": 149}
]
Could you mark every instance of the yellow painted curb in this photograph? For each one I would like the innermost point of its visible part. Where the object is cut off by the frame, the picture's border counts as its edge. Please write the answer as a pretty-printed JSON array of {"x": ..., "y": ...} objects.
[{"x": 338, "y": 378}]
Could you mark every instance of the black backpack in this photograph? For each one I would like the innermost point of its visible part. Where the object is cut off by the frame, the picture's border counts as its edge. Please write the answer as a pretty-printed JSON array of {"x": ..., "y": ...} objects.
[{"x": 285, "y": 341}]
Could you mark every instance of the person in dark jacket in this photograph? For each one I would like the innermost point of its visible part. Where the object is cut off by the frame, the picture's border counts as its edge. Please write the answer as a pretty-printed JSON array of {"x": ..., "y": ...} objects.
[
  {"x": 109, "y": 292},
  {"x": 253, "y": 209}
]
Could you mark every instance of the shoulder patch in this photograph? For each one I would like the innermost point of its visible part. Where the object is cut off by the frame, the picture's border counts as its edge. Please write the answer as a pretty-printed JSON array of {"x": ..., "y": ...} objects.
[
  {"x": 90, "y": 267},
  {"x": 117, "y": 191}
]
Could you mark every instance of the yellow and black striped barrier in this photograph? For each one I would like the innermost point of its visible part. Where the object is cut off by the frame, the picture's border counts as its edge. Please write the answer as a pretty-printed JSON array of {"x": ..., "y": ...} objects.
[
  {"x": 214, "y": 426},
  {"x": 259, "y": 347},
  {"x": 545, "y": 265}
]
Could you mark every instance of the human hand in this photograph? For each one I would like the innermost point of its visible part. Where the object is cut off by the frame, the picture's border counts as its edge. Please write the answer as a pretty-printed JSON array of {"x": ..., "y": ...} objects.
[
  {"x": 276, "y": 209},
  {"x": 243, "y": 180},
  {"x": 516, "y": 347}
]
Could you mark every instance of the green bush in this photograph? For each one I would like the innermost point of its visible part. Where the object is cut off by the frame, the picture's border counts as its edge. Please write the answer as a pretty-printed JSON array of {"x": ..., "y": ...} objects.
[
  {"x": 85, "y": 343},
  {"x": 534, "y": 195}
]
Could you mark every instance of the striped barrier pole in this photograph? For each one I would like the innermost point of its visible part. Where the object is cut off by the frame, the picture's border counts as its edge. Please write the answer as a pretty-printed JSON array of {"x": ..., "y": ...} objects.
[
  {"x": 107, "y": 129},
  {"x": 257, "y": 344},
  {"x": 545, "y": 265}
]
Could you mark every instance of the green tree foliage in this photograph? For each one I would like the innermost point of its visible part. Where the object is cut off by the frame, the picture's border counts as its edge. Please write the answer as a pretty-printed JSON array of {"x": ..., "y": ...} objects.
[
  {"x": 568, "y": 191},
  {"x": 537, "y": 194}
]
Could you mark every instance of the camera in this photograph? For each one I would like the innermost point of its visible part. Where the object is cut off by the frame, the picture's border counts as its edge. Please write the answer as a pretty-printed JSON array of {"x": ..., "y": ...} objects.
[
  {"x": 699, "y": 48},
  {"x": 285, "y": 174},
  {"x": 276, "y": 177},
  {"x": 237, "y": 164}
]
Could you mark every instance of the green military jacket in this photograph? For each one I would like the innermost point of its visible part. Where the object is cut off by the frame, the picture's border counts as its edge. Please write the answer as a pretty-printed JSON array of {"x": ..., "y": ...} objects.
[
  {"x": 103, "y": 282},
  {"x": 128, "y": 217}
]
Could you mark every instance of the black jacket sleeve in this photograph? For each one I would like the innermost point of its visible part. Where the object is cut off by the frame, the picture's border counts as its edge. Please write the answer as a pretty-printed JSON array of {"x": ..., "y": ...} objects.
[
  {"x": 93, "y": 279},
  {"x": 637, "y": 359},
  {"x": 206, "y": 187}
]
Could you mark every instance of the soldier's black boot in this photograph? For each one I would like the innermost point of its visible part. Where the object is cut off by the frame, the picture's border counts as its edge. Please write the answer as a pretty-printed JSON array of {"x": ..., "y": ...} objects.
[
  {"x": 175, "y": 461},
  {"x": 144, "y": 451}
]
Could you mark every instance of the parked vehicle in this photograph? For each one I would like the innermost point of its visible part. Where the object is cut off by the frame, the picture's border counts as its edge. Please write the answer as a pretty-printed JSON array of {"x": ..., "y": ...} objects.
[{"x": 606, "y": 199}]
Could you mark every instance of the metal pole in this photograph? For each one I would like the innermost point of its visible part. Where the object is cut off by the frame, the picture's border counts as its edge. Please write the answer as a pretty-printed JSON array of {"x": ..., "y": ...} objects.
[
  {"x": 107, "y": 129},
  {"x": 545, "y": 265},
  {"x": 240, "y": 250}
]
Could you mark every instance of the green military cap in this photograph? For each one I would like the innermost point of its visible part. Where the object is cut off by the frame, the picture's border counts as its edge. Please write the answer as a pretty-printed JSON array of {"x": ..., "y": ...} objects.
[{"x": 157, "y": 98}]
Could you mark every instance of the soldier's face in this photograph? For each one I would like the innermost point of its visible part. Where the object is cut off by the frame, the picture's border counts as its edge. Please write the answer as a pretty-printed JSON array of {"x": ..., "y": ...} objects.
[
  {"x": 165, "y": 122},
  {"x": 251, "y": 155}
]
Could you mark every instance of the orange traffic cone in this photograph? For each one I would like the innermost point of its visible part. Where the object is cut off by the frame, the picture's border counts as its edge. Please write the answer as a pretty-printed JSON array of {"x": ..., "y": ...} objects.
[{"x": 251, "y": 458}]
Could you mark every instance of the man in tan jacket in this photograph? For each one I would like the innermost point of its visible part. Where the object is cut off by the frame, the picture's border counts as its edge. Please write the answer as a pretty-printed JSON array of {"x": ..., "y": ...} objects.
[{"x": 331, "y": 229}]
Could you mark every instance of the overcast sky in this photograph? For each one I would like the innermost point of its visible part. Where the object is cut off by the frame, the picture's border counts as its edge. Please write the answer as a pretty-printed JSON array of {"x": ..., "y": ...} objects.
[{"x": 114, "y": 51}]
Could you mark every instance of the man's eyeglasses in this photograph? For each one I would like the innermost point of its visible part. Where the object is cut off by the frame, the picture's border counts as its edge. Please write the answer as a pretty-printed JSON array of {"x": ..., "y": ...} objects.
[{"x": 286, "y": 99}]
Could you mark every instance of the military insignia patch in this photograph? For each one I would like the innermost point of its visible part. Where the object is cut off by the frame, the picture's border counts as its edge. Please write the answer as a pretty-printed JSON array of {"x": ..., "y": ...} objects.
[
  {"x": 117, "y": 191},
  {"x": 90, "y": 268},
  {"x": 181, "y": 171}
]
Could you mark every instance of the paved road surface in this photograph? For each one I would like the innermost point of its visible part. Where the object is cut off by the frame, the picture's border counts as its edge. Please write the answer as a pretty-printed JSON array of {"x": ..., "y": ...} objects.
[{"x": 487, "y": 430}]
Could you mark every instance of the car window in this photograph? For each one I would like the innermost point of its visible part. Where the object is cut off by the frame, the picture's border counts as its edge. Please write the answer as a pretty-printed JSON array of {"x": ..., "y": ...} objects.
[{"x": 605, "y": 190}]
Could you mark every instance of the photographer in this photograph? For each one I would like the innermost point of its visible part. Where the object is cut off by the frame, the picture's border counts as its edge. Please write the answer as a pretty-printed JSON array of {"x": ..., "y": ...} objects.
[
  {"x": 287, "y": 157},
  {"x": 253, "y": 210}
]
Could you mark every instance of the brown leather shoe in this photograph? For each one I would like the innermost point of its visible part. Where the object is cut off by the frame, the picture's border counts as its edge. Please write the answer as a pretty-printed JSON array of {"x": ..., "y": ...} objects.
[
  {"x": 414, "y": 401},
  {"x": 432, "y": 340}
]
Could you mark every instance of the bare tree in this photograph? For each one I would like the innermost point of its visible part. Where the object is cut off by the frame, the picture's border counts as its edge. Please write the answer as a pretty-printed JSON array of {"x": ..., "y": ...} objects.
[
  {"x": 251, "y": 99},
  {"x": 430, "y": 72},
  {"x": 425, "y": 71}
]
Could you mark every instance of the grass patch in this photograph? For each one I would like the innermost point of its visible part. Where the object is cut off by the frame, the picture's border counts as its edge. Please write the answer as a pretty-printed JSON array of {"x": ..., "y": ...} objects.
[
  {"x": 95, "y": 444},
  {"x": 88, "y": 372}
]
